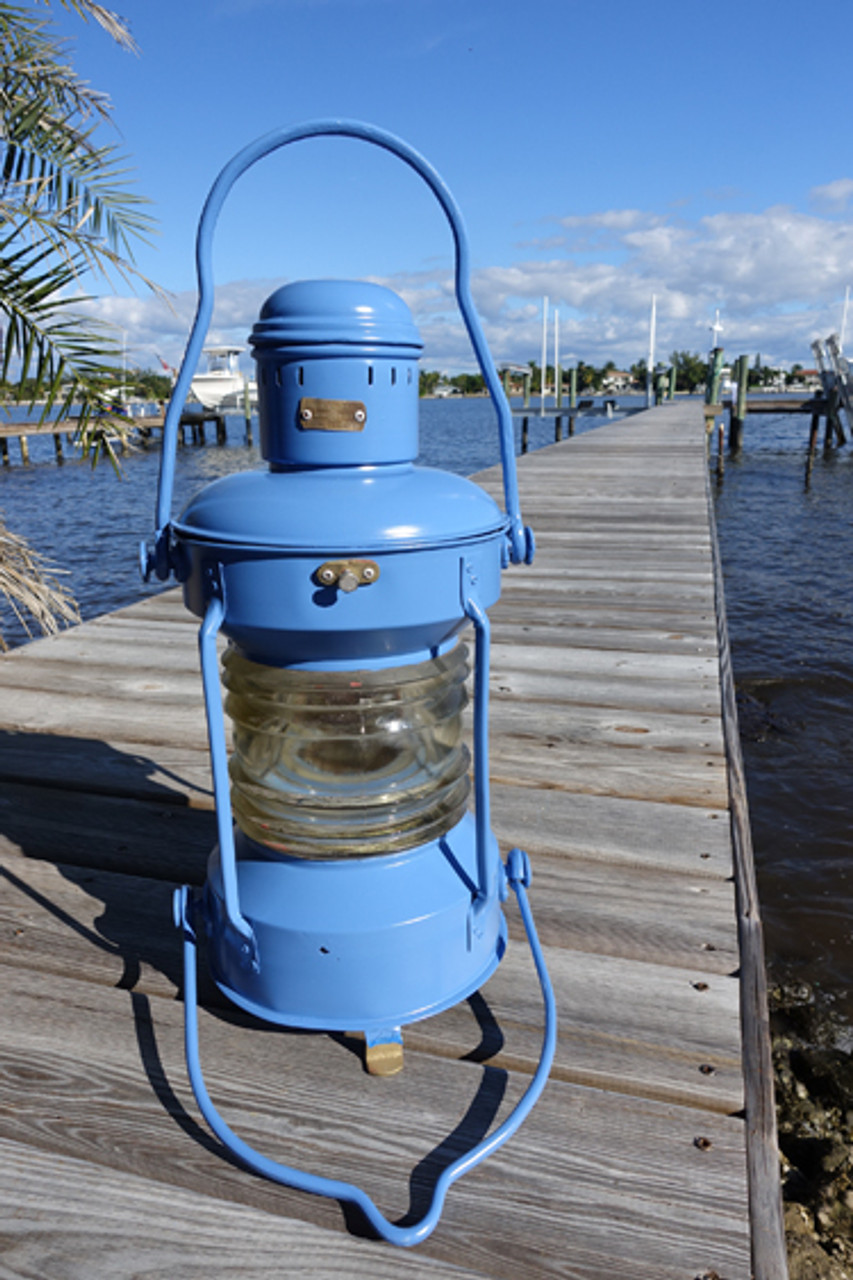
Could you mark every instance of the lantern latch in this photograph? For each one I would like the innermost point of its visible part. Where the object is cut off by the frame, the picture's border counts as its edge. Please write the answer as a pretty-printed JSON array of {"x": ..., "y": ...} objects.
[
  {"x": 347, "y": 574},
  {"x": 331, "y": 415}
]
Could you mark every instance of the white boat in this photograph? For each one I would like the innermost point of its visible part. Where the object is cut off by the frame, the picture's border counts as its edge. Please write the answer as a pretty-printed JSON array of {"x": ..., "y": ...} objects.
[{"x": 223, "y": 386}]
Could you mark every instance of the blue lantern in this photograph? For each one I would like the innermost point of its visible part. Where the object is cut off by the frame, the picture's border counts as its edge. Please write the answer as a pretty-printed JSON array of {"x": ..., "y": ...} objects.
[{"x": 351, "y": 888}]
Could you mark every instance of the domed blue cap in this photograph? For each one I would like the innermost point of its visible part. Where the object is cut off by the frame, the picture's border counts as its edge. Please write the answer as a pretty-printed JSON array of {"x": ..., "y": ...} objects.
[
  {"x": 337, "y": 375},
  {"x": 308, "y": 313}
]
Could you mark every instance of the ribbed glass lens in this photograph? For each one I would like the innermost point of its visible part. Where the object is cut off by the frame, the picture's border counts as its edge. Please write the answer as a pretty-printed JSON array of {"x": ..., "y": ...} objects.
[{"x": 333, "y": 764}]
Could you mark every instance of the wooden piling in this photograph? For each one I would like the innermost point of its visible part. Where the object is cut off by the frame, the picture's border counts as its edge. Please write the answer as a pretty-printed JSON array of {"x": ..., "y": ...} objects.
[
  {"x": 25, "y": 450},
  {"x": 833, "y": 413},
  {"x": 713, "y": 392},
  {"x": 737, "y": 413},
  {"x": 721, "y": 449},
  {"x": 815, "y": 426},
  {"x": 57, "y": 448},
  {"x": 524, "y": 434},
  {"x": 558, "y": 428}
]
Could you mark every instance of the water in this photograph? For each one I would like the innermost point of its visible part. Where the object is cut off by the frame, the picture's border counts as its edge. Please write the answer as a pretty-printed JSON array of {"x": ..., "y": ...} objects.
[
  {"x": 91, "y": 523},
  {"x": 787, "y": 553},
  {"x": 788, "y": 560}
]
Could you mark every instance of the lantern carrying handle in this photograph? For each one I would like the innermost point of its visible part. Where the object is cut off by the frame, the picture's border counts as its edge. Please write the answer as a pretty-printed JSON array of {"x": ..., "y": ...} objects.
[
  {"x": 518, "y": 877},
  {"x": 521, "y": 545}
]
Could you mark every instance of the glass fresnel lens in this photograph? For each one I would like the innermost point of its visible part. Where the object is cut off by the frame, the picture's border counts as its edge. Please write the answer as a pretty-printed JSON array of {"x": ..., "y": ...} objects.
[{"x": 346, "y": 764}]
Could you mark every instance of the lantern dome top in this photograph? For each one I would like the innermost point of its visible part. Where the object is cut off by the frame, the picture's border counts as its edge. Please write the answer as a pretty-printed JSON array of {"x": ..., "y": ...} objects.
[{"x": 327, "y": 313}]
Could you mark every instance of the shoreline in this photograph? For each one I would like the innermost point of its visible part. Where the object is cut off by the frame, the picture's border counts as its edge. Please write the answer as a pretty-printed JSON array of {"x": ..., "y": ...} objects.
[{"x": 813, "y": 1079}]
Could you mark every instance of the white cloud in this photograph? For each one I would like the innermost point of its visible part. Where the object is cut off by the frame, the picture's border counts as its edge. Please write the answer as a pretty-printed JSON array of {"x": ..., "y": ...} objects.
[
  {"x": 608, "y": 220},
  {"x": 154, "y": 327},
  {"x": 778, "y": 278},
  {"x": 833, "y": 196}
]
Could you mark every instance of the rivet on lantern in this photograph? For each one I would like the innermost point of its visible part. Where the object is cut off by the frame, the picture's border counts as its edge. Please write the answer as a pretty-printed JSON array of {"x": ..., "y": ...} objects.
[{"x": 351, "y": 888}]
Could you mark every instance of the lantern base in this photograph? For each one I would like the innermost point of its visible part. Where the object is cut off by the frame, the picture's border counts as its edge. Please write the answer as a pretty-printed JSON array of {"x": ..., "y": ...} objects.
[{"x": 357, "y": 944}]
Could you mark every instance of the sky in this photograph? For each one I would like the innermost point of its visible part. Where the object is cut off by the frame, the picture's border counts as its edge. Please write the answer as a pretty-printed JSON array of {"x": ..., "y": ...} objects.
[{"x": 601, "y": 153}]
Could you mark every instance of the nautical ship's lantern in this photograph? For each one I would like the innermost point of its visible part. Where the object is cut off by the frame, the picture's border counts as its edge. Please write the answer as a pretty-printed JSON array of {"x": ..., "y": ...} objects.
[{"x": 352, "y": 889}]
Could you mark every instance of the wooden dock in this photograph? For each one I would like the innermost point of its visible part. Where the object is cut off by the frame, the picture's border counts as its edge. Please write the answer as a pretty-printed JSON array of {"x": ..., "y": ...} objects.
[
  {"x": 614, "y": 762},
  {"x": 826, "y": 407},
  {"x": 140, "y": 428}
]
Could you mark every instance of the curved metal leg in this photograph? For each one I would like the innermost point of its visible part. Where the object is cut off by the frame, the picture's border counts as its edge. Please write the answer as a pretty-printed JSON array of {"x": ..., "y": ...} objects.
[
  {"x": 518, "y": 875},
  {"x": 214, "y": 711}
]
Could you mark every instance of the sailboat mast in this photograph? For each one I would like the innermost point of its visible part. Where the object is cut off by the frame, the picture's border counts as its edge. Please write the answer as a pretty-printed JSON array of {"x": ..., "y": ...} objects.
[
  {"x": 544, "y": 356},
  {"x": 650, "y": 367}
]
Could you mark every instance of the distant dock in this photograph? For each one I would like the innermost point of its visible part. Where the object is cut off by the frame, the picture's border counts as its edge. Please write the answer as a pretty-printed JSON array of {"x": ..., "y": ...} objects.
[{"x": 63, "y": 432}]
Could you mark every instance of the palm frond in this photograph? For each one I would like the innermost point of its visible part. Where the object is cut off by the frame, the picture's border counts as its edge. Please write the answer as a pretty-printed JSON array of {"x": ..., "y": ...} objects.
[
  {"x": 67, "y": 211},
  {"x": 30, "y": 585},
  {"x": 110, "y": 21},
  {"x": 53, "y": 171}
]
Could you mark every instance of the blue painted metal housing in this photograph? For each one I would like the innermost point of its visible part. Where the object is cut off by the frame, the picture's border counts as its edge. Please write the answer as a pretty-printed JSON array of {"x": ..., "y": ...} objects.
[
  {"x": 344, "y": 555},
  {"x": 327, "y": 930},
  {"x": 338, "y": 340}
]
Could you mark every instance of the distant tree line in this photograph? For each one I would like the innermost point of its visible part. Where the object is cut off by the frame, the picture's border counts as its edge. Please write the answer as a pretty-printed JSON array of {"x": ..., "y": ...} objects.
[
  {"x": 465, "y": 384},
  {"x": 691, "y": 375},
  {"x": 144, "y": 384}
]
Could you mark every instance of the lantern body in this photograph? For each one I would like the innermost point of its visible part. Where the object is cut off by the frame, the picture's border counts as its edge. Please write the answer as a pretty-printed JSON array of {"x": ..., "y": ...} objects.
[
  {"x": 344, "y": 572},
  {"x": 355, "y": 891}
]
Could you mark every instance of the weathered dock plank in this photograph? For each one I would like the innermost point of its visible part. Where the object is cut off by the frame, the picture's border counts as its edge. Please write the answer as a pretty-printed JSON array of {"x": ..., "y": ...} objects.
[
  {"x": 656, "y": 1055},
  {"x": 611, "y": 764},
  {"x": 103, "y": 1092}
]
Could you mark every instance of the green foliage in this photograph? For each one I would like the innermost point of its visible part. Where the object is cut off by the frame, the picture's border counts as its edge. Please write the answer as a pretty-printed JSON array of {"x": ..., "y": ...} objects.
[
  {"x": 639, "y": 371},
  {"x": 428, "y": 380},
  {"x": 66, "y": 212},
  {"x": 150, "y": 385},
  {"x": 469, "y": 384},
  {"x": 589, "y": 378},
  {"x": 691, "y": 370}
]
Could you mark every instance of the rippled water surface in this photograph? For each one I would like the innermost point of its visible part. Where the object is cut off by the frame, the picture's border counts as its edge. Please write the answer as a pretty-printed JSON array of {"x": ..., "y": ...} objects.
[
  {"x": 788, "y": 561},
  {"x": 787, "y": 552}
]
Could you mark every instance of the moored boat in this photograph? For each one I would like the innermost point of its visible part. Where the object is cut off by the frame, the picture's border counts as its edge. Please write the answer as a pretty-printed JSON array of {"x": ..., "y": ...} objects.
[{"x": 223, "y": 386}]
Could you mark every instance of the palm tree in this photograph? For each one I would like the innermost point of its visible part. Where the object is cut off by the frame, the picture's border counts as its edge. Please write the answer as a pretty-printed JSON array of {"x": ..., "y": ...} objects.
[{"x": 66, "y": 213}]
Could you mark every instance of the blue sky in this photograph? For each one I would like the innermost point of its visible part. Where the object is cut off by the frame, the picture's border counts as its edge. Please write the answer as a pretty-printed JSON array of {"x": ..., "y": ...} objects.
[{"x": 600, "y": 152}]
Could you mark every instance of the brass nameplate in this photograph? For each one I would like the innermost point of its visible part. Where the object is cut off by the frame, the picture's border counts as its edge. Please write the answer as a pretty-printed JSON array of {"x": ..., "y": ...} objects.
[{"x": 331, "y": 415}]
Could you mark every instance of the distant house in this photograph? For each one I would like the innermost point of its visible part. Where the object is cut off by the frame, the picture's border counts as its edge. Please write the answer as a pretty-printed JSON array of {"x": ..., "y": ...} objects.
[
  {"x": 809, "y": 379},
  {"x": 617, "y": 380}
]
